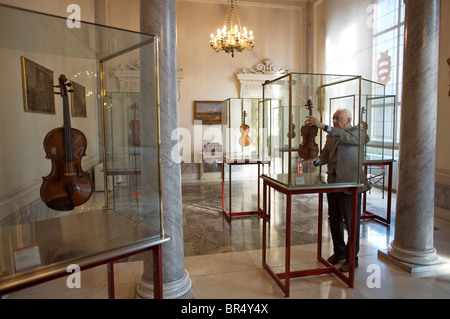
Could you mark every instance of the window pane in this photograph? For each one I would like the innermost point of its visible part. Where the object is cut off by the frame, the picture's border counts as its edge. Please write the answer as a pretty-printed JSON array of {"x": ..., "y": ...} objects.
[
  {"x": 386, "y": 15},
  {"x": 388, "y": 40}
]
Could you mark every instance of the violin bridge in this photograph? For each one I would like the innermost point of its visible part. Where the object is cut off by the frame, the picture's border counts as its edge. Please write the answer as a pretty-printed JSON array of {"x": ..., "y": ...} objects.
[{"x": 70, "y": 174}]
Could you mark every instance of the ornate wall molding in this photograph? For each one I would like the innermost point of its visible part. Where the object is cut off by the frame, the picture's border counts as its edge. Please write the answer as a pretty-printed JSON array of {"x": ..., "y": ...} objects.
[
  {"x": 129, "y": 77},
  {"x": 265, "y": 67},
  {"x": 252, "y": 79}
]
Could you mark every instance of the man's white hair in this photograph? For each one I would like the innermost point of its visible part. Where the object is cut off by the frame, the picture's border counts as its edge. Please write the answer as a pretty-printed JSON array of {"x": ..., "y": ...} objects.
[{"x": 348, "y": 113}]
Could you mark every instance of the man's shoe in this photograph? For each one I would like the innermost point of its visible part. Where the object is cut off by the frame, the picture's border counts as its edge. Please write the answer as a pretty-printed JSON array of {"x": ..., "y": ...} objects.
[
  {"x": 345, "y": 267},
  {"x": 335, "y": 258}
]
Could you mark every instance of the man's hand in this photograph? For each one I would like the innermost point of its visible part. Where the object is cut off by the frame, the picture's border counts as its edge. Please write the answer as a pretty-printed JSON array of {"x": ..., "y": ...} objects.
[
  {"x": 310, "y": 161},
  {"x": 311, "y": 121}
]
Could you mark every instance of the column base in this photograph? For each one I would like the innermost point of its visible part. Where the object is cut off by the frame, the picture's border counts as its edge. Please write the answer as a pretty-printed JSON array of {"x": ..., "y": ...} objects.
[
  {"x": 425, "y": 258},
  {"x": 412, "y": 268},
  {"x": 413, "y": 262},
  {"x": 181, "y": 288}
]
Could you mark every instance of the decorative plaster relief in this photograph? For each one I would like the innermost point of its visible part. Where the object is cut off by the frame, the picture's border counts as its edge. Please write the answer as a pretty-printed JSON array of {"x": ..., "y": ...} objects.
[
  {"x": 128, "y": 75},
  {"x": 252, "y": 79}
]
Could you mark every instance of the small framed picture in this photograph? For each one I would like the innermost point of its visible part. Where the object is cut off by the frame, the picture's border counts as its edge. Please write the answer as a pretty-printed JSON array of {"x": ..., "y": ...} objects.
[
  {"x": 209, "y": 112},
  {"x": 78, "y": 100},
  {"x": 37, "y": 83}
]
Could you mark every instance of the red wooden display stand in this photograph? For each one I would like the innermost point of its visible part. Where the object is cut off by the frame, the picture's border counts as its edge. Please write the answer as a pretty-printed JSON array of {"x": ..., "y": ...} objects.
[
  {"x": 118, "y": 237},
  {"x": 230, "y": 213},
  {"x": 368, "y": 215},
  {"x": 320, "y": 189}
]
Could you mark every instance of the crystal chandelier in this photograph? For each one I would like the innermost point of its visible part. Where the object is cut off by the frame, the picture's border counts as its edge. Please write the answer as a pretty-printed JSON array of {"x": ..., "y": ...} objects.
[{"x": 236, "y": 38}]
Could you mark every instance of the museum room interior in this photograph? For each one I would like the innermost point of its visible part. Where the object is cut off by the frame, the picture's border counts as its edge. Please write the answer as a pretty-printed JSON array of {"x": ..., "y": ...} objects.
[{"x": 199, "y": 149}]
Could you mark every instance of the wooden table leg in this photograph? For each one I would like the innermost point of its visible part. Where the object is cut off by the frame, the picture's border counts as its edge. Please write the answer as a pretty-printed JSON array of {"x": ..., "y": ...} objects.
[
  {"x": 389, "y": 199},
  {"x": 157, "y": 272},
  {"x": 353, "y": 230},
  {"x": 287, "y": 257},
  {"x": 110, "y": 271}
]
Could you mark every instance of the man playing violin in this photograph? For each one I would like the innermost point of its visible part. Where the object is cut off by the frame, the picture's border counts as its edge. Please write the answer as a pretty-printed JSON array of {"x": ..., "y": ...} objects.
[{"x": 340, "y": 153}]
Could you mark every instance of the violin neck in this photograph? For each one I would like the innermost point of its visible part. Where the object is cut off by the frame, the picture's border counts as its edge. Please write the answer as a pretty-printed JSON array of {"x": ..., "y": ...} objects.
[
  {"x": 311, "y": 137},
  {"x": 68, "y": 146}
]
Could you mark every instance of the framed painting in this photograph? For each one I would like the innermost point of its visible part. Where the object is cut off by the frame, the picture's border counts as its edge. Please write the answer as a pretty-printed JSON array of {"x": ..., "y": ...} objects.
[
  {"x": 209, "y": 112},
  {"x": 78, "y": 100},
  {"x": 37, "y": 83}
]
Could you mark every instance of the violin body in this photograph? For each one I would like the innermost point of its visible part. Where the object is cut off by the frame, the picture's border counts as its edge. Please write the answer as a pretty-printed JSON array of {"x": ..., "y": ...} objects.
[
  {"x": 244, "y": 140},
  {"x": 308, "y": 148},
  {"x": 134, "y": 138},
  {"x": 366, "y": 136},
  {"x": 67, "y": 185},
  {"x": 291, "y": 133},
  {"x": 365, "y": 127}
]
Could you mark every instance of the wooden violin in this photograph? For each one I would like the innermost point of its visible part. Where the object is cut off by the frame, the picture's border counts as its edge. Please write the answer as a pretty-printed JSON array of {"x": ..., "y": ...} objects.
[
  {"x": 366, "y": 127},
  {"x": 67, "y": 185},
  {"x": 291, "y": 133},
  {"x": 134, "y": 138},
  {"x": 244, "y": 140},
  {"x": 308, "y": 148}
]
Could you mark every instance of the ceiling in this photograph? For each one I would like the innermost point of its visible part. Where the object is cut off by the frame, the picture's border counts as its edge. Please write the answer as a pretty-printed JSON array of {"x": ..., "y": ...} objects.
[
  {"x": 266, "y": 2},
  {"x": 279, "y": 2}
]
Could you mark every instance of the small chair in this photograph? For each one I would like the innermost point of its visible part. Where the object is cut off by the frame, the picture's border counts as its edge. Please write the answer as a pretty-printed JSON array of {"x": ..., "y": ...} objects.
[{"x": 375, "y": 176}]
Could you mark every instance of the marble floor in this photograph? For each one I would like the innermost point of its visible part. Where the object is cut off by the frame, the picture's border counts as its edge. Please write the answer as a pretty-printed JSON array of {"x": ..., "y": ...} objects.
[{"x": 223, "y": 258}]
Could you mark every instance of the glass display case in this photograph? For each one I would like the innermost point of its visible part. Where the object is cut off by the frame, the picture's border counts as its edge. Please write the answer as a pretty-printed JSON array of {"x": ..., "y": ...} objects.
[
  {"x": 123, "y": 151},
  {"x": 244, "y": 130},
  {"x": 245, "y": 154},
  {"x": 294, "y": 97},
  {"x": 51, "y": 213},
  {"x": 378, "y": 113}
]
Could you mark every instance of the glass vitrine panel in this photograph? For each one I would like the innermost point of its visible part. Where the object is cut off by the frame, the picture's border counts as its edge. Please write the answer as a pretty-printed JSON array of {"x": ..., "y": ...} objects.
[
  {"x": 294, "y": 97},
  {"x": 244, "y": 129},
  {"x": 35, "y": 50}
]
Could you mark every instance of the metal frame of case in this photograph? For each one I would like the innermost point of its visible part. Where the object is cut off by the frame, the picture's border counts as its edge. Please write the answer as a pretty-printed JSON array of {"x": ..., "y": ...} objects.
[
  {"x": 287, "y": 117},
  {"x": 249, "y": 111},
  {"x": 236, "y": 155},
  {"x": 87, "y": 237},
  {"x": 289, "y": 95}
]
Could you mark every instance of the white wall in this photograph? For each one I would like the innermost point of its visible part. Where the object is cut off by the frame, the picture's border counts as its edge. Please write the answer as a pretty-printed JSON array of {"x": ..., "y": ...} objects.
[
  {"x": 442, "y": 192},
  {"x": 349, "y": 38},
  {"x": 443, "y": 116},
  {"x": 55, "y": 7},
  {"x": 280, "y": 35}
]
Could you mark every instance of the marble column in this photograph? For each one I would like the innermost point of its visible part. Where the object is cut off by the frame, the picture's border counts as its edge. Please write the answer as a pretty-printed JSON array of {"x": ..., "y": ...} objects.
[
  {"x": 414, "y": 221},
  {"x": 158, "y": 17}
]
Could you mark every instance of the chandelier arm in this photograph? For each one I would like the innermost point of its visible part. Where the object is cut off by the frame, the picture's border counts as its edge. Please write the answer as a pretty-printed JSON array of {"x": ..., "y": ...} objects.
[
  {"x": 232, "y": 16},
  {"x": 239, "y": 18},
  {"x": 226, "y": 14}
]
